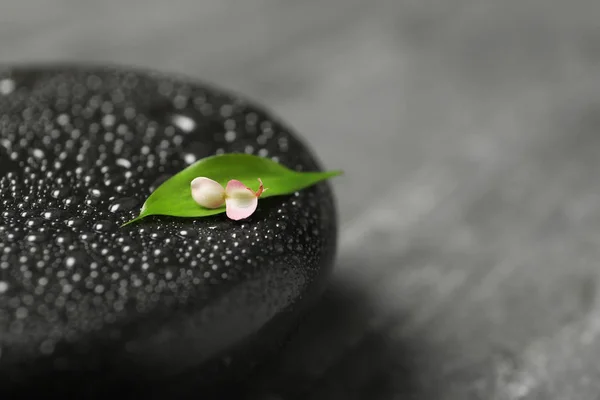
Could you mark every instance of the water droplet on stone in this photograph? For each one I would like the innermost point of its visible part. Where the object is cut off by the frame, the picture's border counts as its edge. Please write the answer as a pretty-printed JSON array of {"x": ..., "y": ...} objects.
[
  {"x": 157, "y": 235},
  {"x": 59, "y": 193},
  {"x": 27, "y": 213},
  {"x": 64, "y": 239},
  {"x": 104, "y": 226},
  {"x": 14, "y": 236},
  {"x": 122, "y": 162},
  {"x": 36, "y": 237},
  {"x": 230, "y": 136},
  {"x": 187, "y": 233},
  {"x": 120, "y": 188},
  {"x": 74, "y": 222},
  {"x": 77, "y": 258},
  {"x": 108, "y": 120},
  {"x": 63, "y": 119},
  {"x": 183, "y": 122},
  {"x": 189, "y": 158},
  {"x": 72, "y": 200},
  {"x": 38, "y": 153},
  {"x": 70, "y": 262},
  {"x": 33, "y": 222},
  {"x": 7, "y": 86},
  {"x": 123, "y": 204},
  {"x": 52, "y": 214},
  {"x": 8, "y": 214},
  {"x": 96, "y": 192},
  {"x": 91, "y": 201},
  {"x": 123, "y": 240}
]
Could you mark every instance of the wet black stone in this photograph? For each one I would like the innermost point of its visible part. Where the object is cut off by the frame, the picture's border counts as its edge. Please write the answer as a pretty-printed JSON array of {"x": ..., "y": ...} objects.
[{"x": 92, "y": 309}]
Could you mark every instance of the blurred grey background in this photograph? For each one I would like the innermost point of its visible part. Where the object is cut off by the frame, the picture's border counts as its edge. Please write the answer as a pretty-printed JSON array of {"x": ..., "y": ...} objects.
[{"x": 469, "y": 131}]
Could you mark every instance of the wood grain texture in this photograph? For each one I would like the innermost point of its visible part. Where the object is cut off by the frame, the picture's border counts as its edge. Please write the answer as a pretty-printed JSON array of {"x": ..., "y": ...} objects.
[{"x": 470, "y": 136}]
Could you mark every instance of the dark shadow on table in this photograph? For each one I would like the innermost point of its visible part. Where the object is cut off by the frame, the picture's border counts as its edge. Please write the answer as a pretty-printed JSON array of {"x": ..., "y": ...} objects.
[{"x": 341, "y": 350}]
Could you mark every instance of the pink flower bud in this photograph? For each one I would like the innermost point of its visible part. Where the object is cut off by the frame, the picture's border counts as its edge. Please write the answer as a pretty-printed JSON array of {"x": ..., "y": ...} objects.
[{"x": 240, "y": 201}]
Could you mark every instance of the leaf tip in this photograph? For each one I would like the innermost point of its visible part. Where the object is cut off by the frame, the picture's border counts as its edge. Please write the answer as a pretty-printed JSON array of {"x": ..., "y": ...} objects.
[
  {"x": 136, "y": 219},
  {"x": 332, "y": 174}
]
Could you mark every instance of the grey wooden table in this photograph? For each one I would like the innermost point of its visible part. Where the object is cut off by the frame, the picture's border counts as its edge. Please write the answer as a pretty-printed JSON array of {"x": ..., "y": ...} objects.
[{"x": 469, "y": 131}]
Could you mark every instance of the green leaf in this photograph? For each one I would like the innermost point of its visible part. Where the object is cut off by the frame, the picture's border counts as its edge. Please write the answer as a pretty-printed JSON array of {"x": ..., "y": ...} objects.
[{"x": 174, "y": 196}]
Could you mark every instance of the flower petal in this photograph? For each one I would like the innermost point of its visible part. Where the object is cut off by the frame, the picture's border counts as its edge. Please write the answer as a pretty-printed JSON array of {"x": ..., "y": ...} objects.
[
  {"x": 240, "y": 208},
  {"x": 208, "y": 193},
  {"x": 236, "y": 188},
  {"x": 241, "y": 201}
]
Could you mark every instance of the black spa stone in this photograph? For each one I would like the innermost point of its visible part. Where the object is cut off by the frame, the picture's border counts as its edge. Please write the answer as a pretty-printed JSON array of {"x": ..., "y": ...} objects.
[{"x": 91, "y": 309}]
